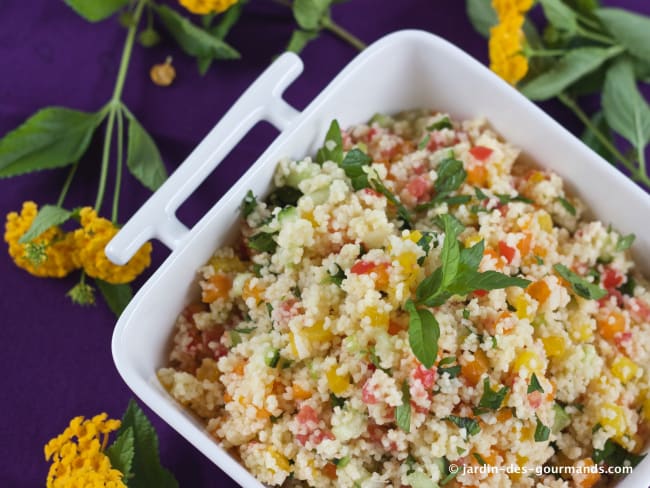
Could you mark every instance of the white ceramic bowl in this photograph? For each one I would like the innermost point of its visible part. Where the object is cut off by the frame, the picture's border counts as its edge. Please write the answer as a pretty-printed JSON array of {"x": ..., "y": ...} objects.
[{"x": 407, "y": 69}]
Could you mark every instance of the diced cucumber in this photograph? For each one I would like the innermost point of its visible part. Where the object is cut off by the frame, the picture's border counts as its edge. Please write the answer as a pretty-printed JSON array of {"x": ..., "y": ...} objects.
[
  {"x": 301, "y": 172},
  {"x": 418, "y": 479},
  {"x": 320, "y": 196},
  {"x": 562, "y": 419},
  {"x": 287, "y": 214},
  {"x": 382, "y": 120}
]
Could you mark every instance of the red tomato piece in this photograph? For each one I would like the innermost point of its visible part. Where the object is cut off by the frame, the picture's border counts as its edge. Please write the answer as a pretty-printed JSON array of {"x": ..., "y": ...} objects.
[
  {"x": 481, "y": 152},
  {"x": 372, "y": 192},
  {"x": 418, "y": 186},
  {"x": 425, "y": 376},
  {"x": 480, "y": 293},
  {"x": 612, "y": 278},
  {"x": 535, "y": 399},
  {"x": 363, "y": 267},
  {"x": 506, "y": 251},
  {"x": 367, "y": 394}
]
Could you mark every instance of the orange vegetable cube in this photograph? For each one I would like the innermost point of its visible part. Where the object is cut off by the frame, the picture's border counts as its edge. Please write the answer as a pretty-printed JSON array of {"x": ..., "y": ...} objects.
[
  {"x": 218, "y": 286},
  {"x": 610, "y": 325}
]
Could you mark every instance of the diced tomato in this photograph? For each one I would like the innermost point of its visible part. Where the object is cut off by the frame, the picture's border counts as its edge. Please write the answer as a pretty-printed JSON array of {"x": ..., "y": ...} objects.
[
  {"x": 612, "y": 278},
  {"x": 480, "y": 293},
  {"x": 191, "y": 309},
  {"x": 329, "y": 470},
  {"x": 418, "y": 186},
  {"x": 375, "y": 432},
  {"x": 367, "y": 394},
  {"x": 308, "y": 417},
  {"x": 639, "y": 310},
  {"x": 363, "y": 267},
  {"x": 506, "y": 251},
  {"x": 481, "y": 152},
  {"x": 372, "y": 192},
  {"x": 612, "y": 293},
  {"x": 432, "y": 145},
  {"x": 623, "y": 339},
  {"x": 371, "y": 133},
  {"x": 425, "y": 376},
  {"x": 306, "y": 414},
  {"x": 535, "y": 399}
]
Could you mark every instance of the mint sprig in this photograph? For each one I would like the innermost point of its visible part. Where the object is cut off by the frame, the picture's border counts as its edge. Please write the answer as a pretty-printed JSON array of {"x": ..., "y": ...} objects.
[{"x": 579, "y": 285}]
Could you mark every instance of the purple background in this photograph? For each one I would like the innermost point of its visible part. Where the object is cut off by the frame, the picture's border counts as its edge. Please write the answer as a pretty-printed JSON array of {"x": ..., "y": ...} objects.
[{"x": 57, "y": 354}]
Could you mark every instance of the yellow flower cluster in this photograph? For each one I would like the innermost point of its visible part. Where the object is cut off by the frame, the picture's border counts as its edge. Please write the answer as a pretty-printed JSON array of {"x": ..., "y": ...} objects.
[
  {"x": 49, "y": 255},
  {"x": 507, "y": 40},
  {"x": 81, "y": 462},
  {"x": 90, "y": 241},
  {"x": 56, "y": 253},
  {"x": 203, "y": 7}
]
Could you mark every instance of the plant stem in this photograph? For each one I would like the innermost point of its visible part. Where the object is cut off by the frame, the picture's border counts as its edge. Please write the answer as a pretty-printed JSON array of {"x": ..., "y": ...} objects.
[
  {"x": 120, "y": 163},
  {"x": 66, "y": 185},
  {"x": 544, "y": 53},
  {"x": 342, "y": 33},
  {"x": 115, "y": 102},
  {"x": 587, "y": 34},
  {"x": 589, "y": 22}
]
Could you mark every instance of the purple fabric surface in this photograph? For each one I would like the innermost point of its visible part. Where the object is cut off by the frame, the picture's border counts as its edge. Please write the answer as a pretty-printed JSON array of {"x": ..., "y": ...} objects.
[{"x": 57, "y": 354}]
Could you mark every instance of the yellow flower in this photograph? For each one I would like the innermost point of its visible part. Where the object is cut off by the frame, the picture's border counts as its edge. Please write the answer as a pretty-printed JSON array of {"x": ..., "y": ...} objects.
[
  {"x": 203, "y": 7},
  {"x": 48, "y": 255},
  {"x": 82, "y": 462},
  {"x": 505, "y": 46},
  {"x": 92, "y": 238},
  {"x": 505, "y": 8}
]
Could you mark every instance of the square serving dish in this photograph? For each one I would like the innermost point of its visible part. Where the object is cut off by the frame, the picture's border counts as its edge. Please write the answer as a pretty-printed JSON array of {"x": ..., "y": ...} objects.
[{"x": 404, "y": 70}]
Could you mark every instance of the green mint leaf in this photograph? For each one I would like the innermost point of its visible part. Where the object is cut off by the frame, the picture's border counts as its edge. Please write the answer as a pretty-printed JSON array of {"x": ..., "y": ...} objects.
[
  {"x": 534, "y": 385},
  {"x": 192, "y": 39},
  {"x": 425, "y": 244},
  {"x": 142, "y": 157},
  {"x": 480, "y": 196},
  {"x": 117, "y": 296},
  {"x": 430, "y": 286},
  {"x": 590, "y": 139},
  {"x": 569, "y": 68},
  {"x": 479, "y": 458},
  {"x": 579, "y": 285},
  {"x": 309, "y": 13},
  {"x": 482, "y": 16},
  {"x": 93, "y": 10},
  {"x": 403, "y": 411},
  {"x": 470, "y": 425},
  {"x": 48, "y": 216},
  {"x": 623, "y": 243},
  {"x": 562, "y": 419},
  {"x": 630, "y": 29},
  {"x": 51, "y": 138},
  {"x": 625, "y": 109},
  {"x": 263, "y": 242},
  {"x": 492, "y": 399},
  {"x": 450, "y": 255},
  {"x": 299, "y": 39},
  {"x": 457, "y": 226},
  {"x": 146, "y": 467},
  {"x": 336, "y": 401},
  {"x": 248, "y": 204},
  {"x": 451, "y": 175},
  {"x": 423, "y": 334},
  {"x": 424, "y": 142},
  {"x": 443, "y": 123},
  {"x": 470, "y": 257},
  {"x": 332, "y": 149},
  {"x": 503, "y": 199},
  {"x": 560, "y": 15},
  {"x": 284, "y": 196},
  {"x": 404, "y": 214},
  {"x": 613, "y": 454},
  {"x": 567, "y": 206},
  {"x": 417, "y": 479},
  {"x": 353, "y": 164},
  {"x": 488, "y": 280},
  {"x": 457, "y": 200},
  {"x": 541, "y": 432},
  {"x": 272, "y": 358},
  {"x": 122, "y": 451},
  {"x": 447, "y": 360},
  {"x": 343, "y": 462},
  {"x": 338, "y": 277}
]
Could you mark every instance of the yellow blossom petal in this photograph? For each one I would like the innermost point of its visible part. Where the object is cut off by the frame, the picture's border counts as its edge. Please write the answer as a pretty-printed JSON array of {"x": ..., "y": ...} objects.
[{"x": 203, "y": 7}]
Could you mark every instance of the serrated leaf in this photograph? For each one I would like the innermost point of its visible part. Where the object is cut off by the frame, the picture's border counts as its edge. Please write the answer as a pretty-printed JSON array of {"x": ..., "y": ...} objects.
[
  {"x": 332, "y": 149},
  {"x": 579, "y": 285},
  {"x": 482, "y": 15},
  {"x": 96, "y": 10},
  {"x": 560, "y": 15},
  {"x": 117, "y": 296},
  {"x": 143, "y": 158},
  {"x": 48, "y": 216},
  {"x": 308, "y": 13},
  {"x": 424, "y": 332},
  {"x": 121, "y": 452},
  {"x": 625, "y": 109},
  {"x": 568, "y": 69},
  {"x": 147, "y": 470},
  {"x": 299, "y": 39},
  {"x": 192, "y": 39},
  {"x": 630, "y": 29},
  {"x": 53, "y": 137},
  {"x": 590, "y": 139}
]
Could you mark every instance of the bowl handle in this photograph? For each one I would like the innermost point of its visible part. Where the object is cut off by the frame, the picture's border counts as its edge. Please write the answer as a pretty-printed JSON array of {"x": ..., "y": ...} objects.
[{"x": 157, "y": 217}]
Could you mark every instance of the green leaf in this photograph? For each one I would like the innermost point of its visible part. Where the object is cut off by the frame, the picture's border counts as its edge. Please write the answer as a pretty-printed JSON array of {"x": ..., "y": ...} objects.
[
  {"x": 450, "y": 255},
  {"x": 482, "y": 16},
  {"x": 403, "y": 411},
  {"x": 541, "y": 432},
  {"x": 584, "y": 6},
  {"x": 338, "y": 277},
  {"x": 353, "y": 164},
  {"x": 96, "y": 10},
  {"x": 122, "y": 451},
  {"x": 309, "y": 13},
  {"x": 443, "y": 123},
  {"x": 299, "y": 39},
  {"x": 203, "y": 64},
  {"x": 567, "y": 205},
  {"x": 248, "y": 204},
  {"x": 579, "y": 285},
  {"x": 228, "y": 19},
  {"x": 283, "y": 196},
  {"x": 451, "y": 175},
  {"x": 534, "y": 385},
  {"x": 51, "y": 138},
  {"x": 470, "y": 425},
  {"x": 263, "y": 242},
  {"x": 612, "y": 454},
  {"x": 492, "y": 399},
  {"x": 624, "y": 243},
  {"x": 488, "y": 280},
  {"x": 560, "y": 15},
  {"x": 192, "y": 39},
  {"x": 424, "y": 332},
  {"x": 147, "y": 471},
  {"x": 142, "y": 157},
  {"x": 117, "y": 296},
  {"x": 562, "y": 419},
  {"x": 48, "y": 216},
  {"x": 630, "y": 29},
  {"x": 402, "y": 212},
  {"x": 590, "y": 139},
  {"x": 567, "y": 70},
  {"x": 625, "y": 109},
  {"x": 332, "y": 149}
]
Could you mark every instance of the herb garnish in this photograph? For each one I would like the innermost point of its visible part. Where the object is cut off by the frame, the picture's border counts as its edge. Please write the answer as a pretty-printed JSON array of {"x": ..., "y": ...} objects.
[
  {"x": 353, "y": 164},
  {"x": 332, "y": 150},
  {"x": 248, "y": 204},
  {"x": 377, "y": 185},
  {"x": 492, "y": 399},
  {"x": 452, "y": 371},
  {"x": 541, "y": 431},
  {"x": 425, "y": 244},
  {"x": 284, "y": 196},
  {"x": 480, "y": 459},
  {"x": 613, "y": 454},
  {"x": 443, "y": 123},
  {"x": 403, "y": 411},
  {"x": 579, "y": 285},
  {"x": 263, "y": 242},
  {"x": 451, "y": 176},
  {"x": 625, "y": 242},
  {"x": 471, "y": 426},
  {"x": 567, "y": 206},
  {"x": 534, "y": 385},
  {"x": 338, "y": 277}
]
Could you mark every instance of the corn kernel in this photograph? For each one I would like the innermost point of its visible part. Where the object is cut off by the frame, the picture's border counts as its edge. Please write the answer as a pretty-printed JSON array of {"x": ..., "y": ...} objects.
[
  {"x": 337, "y": 384},
  {"x": 554, "y": 345},
  {"x": 529, "y": 360},
  {"x": 292, "y": 345},
  {"x": 613, "y": 416},
  {"x": 309, "y": 216},
  {"x": 624, "y": 369},
  {"x": 280, "y": 460},
  {"x": 545, "y": 221},
  {"x": 536, "y": 177}
]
